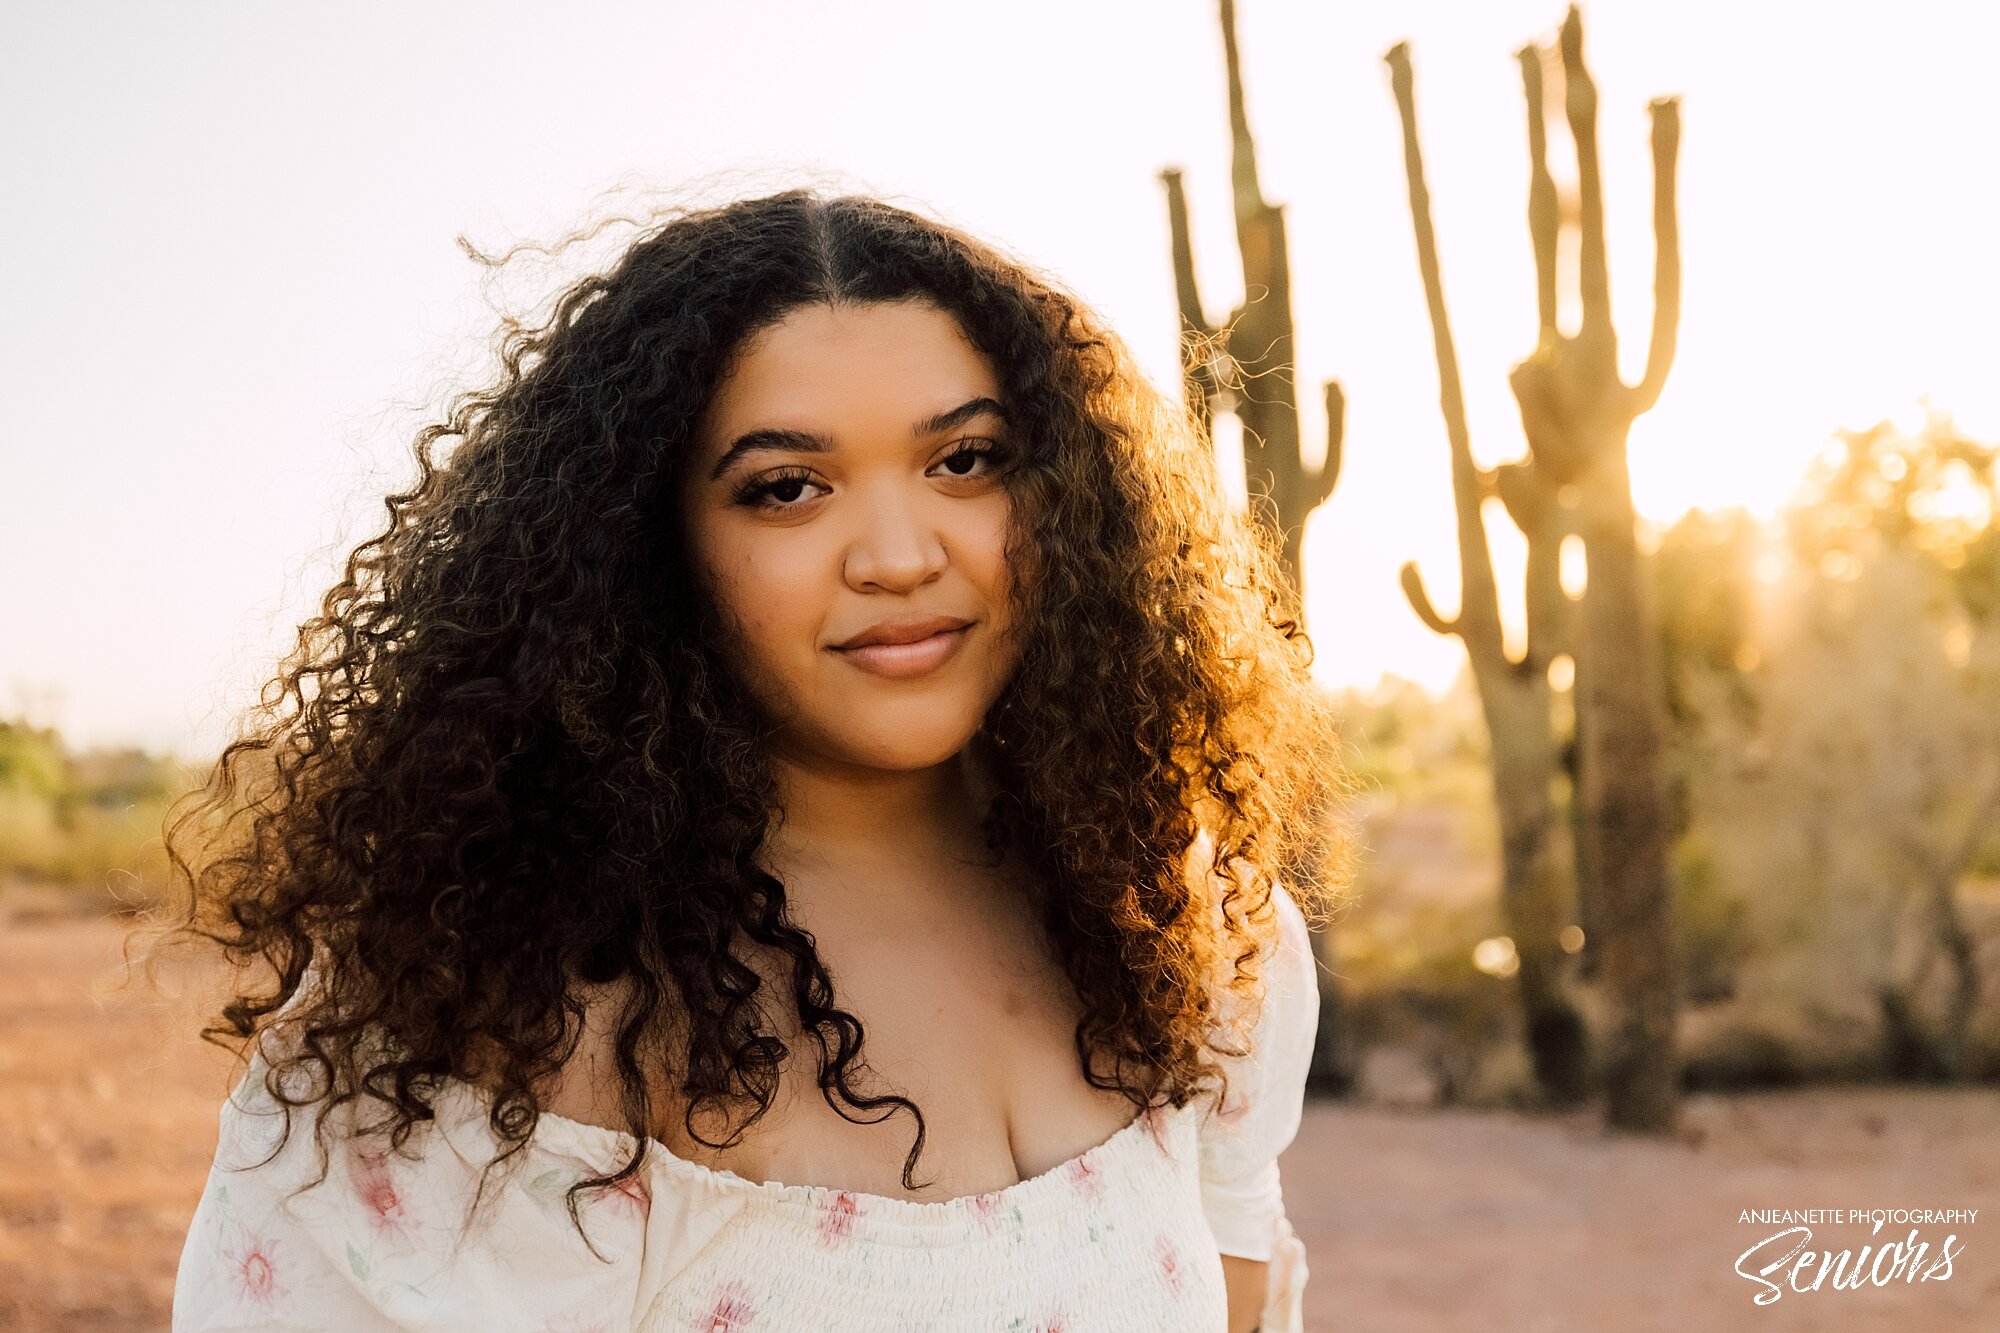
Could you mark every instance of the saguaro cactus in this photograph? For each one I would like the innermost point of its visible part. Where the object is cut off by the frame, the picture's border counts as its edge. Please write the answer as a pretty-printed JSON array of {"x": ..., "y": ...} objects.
[
  {"x": 1246, "y": 364},
  {"x": 1514, "y": 693},
  {"x": 1577, "y": 413},
  {"x": 1249, "y": 358}
]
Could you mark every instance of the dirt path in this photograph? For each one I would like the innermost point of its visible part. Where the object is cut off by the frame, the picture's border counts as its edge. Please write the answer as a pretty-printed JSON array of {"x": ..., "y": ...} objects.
[
  {"x": 1414, "y": 1220},
  {"x": 107, "y": 1127},
  {"x": 1454, "y": 1220}
]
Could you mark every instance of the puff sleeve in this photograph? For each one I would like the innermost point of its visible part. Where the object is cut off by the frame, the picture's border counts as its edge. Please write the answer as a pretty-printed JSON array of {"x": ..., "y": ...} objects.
[
  {"x": 1241, "y": 1139},
  {"x": 377, "y": 1245}
]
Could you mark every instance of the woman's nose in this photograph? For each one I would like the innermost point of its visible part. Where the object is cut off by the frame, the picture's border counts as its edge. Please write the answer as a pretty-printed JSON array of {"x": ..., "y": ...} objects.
[{"x": 895, "y": 545}]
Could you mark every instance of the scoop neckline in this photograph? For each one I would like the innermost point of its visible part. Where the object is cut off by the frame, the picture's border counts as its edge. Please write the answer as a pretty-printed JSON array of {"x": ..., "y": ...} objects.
[{"x": 586, "y": 1140}]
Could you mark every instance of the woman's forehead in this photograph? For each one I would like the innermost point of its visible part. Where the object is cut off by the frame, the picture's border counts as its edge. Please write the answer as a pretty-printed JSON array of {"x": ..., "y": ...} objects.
[{"x": 880, "y": 364}]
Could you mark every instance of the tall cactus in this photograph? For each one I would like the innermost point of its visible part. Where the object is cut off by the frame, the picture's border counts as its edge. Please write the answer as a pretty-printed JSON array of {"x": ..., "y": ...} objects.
[
  {"x": 1247, "y": 365},
  {"x": 1249, "y": 358},
  {"x": 1514, "y": 694},
  {"x": 1577, "y": 413}
]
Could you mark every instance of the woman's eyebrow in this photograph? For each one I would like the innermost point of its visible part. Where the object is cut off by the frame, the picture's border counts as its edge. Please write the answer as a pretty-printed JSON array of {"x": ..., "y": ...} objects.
[
  {"x": 813, "y": 442},
  {"x": 958, "y": 416}
]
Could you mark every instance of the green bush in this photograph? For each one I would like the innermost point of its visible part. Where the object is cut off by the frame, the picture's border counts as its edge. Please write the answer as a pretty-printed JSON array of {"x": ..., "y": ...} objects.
[{"x": 84, "y": 823}]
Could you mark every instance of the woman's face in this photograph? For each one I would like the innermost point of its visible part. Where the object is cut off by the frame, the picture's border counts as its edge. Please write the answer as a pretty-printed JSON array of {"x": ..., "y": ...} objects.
[{"x": 845, "y": 484}]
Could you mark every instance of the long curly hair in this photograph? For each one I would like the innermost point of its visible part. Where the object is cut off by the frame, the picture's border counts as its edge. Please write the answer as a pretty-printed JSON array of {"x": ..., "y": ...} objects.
[{"x": 507, "y": 756}]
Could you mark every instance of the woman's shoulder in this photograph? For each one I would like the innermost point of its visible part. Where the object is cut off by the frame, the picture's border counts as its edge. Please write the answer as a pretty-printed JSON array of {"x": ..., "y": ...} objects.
[
  {"x": 1258, "y": 1114},
  {"x": 1287, "y": 1019},
  {"x": 324, "y": 1223},
  {"x": 1283, "y": 955},
  {"x": 1293, "y": 970},
  {"x": 314, "y": 1217}
]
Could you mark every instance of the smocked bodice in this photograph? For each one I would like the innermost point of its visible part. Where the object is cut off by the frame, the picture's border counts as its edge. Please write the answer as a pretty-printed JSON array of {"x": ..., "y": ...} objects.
[{"x": 1123, "y": 1238}]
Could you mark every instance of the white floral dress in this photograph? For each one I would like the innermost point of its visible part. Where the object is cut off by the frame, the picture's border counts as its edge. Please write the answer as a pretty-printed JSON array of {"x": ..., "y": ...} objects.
[{"x": 1125, "y": 1238}]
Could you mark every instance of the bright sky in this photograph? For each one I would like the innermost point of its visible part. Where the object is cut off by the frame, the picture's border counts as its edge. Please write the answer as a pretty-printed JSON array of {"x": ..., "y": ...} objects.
[{"x": 232, "y": 287}]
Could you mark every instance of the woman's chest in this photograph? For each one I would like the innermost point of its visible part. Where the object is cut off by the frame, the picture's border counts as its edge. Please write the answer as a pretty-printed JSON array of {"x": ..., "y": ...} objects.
[{"x": 978, "y": 1028}]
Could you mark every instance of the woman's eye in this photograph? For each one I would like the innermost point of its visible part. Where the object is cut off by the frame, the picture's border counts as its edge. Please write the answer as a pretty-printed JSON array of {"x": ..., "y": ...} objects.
[
  {"x": 778, "y": 491},
  {"x": 973, "y": 453}
]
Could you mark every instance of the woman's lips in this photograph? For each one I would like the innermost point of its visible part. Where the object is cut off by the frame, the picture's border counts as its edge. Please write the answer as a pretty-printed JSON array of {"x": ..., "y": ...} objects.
[{"x": 901, "y": 660}]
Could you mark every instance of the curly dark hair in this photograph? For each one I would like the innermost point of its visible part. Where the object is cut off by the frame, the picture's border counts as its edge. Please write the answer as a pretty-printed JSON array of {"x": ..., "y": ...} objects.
[{"x": 506, "y": 756}]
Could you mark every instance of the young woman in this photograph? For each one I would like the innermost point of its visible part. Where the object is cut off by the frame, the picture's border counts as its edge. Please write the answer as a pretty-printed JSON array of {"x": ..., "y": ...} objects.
[{"x": 781, "y": 833}]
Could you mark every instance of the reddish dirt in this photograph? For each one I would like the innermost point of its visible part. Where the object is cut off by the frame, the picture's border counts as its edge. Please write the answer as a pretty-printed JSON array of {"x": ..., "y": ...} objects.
[
  {"x": 1447, "y": 1220},
  {"x": 1414, "y": 1220}
]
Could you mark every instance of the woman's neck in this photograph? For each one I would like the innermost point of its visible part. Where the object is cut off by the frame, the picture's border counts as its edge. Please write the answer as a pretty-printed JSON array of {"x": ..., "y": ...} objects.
[{"x": 891, "y": 828}]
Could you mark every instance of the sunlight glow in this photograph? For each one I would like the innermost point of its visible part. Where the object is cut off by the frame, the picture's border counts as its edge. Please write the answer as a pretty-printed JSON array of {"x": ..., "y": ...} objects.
[{"x": 1496, "y": 956}]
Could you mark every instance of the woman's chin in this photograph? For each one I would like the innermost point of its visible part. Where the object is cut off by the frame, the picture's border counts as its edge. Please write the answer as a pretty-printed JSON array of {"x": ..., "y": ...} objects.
[{"x": 904, "y": 745}]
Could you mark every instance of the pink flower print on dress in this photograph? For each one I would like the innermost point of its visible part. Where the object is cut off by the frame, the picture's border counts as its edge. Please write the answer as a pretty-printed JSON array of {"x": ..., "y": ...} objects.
[
  {"x": 1234, "y": 1107},
  {"x": 375, "y": 1187},
  {"x": 730, "y": 1312},
  {"x": 985, "y": 1209},
  {"x": 253, "y": 1264},
  {"x": 835, "y": 1217},
  {"x": 1173, "y": 1271},
  {"x": 1084, "y": 1177},
  {"x": 630, "y": 1197}
]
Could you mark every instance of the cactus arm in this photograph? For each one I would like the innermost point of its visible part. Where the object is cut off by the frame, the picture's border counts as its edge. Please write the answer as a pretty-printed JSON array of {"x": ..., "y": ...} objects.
[
  {"x": 1593, "y": 273},
  {"x": 1322, "y": 481},
  {"x": 1479, "y": 604},
  {"x": 1543, "y": 218},
  {"x": 1420, "y": 601},
  {"x": 1666, "y": 113}
]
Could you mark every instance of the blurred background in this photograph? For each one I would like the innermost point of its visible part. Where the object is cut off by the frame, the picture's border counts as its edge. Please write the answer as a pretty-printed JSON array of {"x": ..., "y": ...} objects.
[{"x": 1621, "y": 381}]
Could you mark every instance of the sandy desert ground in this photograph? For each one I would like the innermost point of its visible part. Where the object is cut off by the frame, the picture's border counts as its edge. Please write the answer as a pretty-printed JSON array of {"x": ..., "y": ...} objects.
[{"x": 1414, "y": 1220}]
